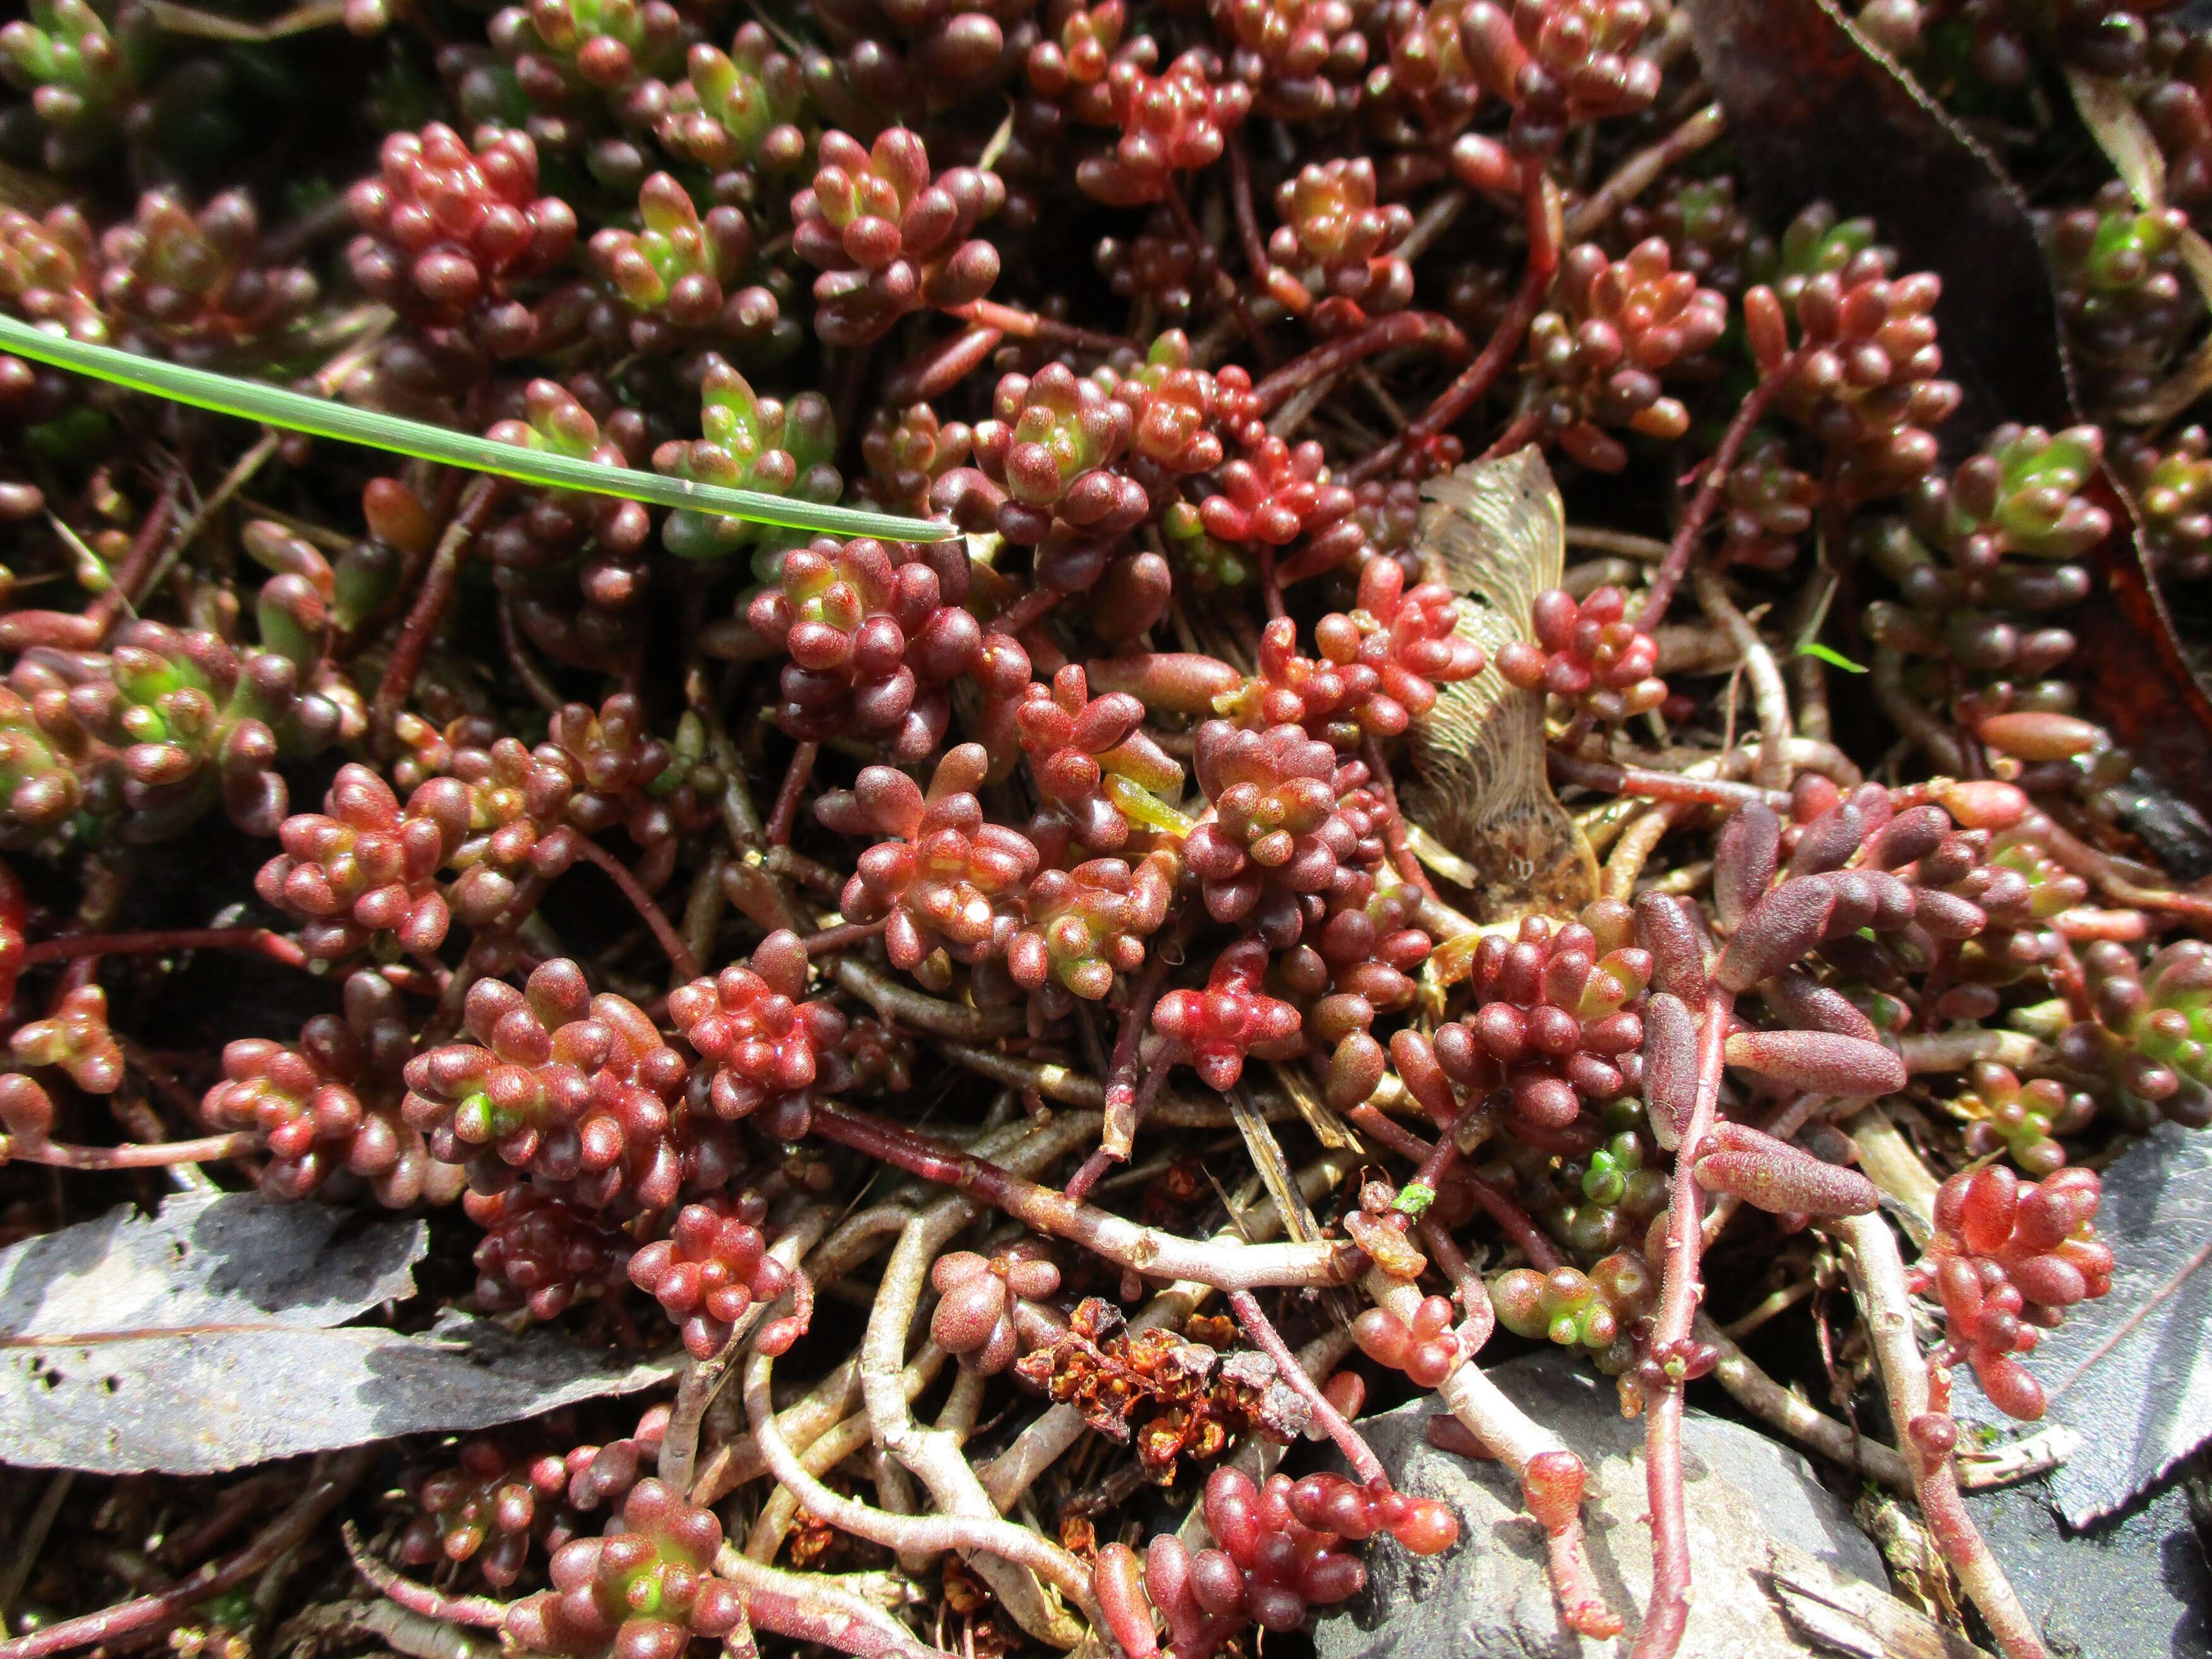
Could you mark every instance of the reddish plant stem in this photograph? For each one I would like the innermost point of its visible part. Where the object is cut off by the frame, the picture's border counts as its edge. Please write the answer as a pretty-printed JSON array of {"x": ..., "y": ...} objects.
[
  {"x": 1669, "y": 1609},
  {"x": 1474, "y": 1330},
  {"x": 431, "y": 599},
  {"x": 132, "y": 1155},
  {"x": 1111, "y": 1149},
  {"x": 1464, "y": 392},
  {"x": 2085, "y": 860},
  {"x": 917, "y": 1010},
  {"x": 796, "y": 776},
  {"x": 1539, "y": 207},
  {"x": 1676, "y": 564},
  {"x": 1030, "y": 325},
  {"x": 1406, "y": 328},
  {"x": 258, "y": 941},
  {"x": 1927, "y": 1433},
  {"x": 1120, "y": 1099},
  {"x": 1642, "y": 170},
  {"x": 844, "y": 938},
  {"x": 478, "y": 1610},
  {"x": 1271, "y": 583},
  {"x": 808, "y": 1609},
  {"x": 1257, "y": 1326},
  {"x": 1517, "y": 1224},
  {"x": 1144, "y": 1250},
  {"x": 248, "y": 1499},
  {"x": 1614, "y": 778},
  {"x": 1523, "y": 430},
  {"x": 680, "y": 953},
  {"x": 1088, "y": 1174},
  {"x": 517, "y": 658},
  {"x": 1551, "y": 1477},
  {"x": 1031, "y": 608},
  {"x": 1371, "y": 1120},
  {"x": 333, "y": 1476},
  {"x": 1254, "y": 334},
  {"x": 1440, "y": 1161},
  {"x": 1279, "y": 284},
  {"x": 2071, "y": 981},
  {"x": 1394, "y": 839},
  {"x": 138, "y": 559}
]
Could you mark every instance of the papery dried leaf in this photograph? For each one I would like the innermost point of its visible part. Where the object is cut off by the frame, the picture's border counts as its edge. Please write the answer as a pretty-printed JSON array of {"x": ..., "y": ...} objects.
[
  {"x": 175, "y": 1404},
  {"x": 206, "y": 1259},
  {"x": 196, "y": 1340},
  {"x": 1496, "y": 533}
]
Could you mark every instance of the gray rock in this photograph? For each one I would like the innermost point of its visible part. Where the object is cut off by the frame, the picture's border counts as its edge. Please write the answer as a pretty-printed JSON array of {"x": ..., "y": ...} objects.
[
  {"x": 1755, "y": 1509},
  {"x": 2135, "y": 1587}
]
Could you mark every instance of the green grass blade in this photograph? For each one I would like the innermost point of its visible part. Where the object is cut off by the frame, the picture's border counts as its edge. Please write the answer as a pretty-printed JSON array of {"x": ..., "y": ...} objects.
[
  {"x": 320, "y": 417},
  {"x": 1829, "y": 655}
]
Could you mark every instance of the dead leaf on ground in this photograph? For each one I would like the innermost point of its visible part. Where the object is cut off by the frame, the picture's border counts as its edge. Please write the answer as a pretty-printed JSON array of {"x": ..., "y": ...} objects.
[
  {"x": 1815, "y": 109},
  {"x": 227, "y": 1258},
  {"x": 2137, "y": 683},
  {"x": 200, "y": 1340}
]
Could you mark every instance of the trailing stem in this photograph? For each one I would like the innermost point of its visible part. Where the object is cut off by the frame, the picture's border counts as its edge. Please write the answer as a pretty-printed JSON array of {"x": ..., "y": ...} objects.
[
  {"x": 663, "y": 931},
  {"x": 1551, "y": 1477},
  {"x": 161, "y": 942},
  {"x": 1253, "y": 1320},
  {"x": 431, "y": 599},
  {"x": 1541, "y": 209},
  {"x": 1927, "y": 1433},
  {"x": 139, "y": 1155},
  {"x": 1661, "y": 593},
  {"x": 1146, "y": 1250},
  {"x": 1671, "y": 1347}
]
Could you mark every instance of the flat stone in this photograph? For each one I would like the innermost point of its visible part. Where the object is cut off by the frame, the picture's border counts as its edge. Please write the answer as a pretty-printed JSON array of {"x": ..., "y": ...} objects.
[
  {"x": 1757, "y": 1514},
  {"x": 2137, "y": 1587}
]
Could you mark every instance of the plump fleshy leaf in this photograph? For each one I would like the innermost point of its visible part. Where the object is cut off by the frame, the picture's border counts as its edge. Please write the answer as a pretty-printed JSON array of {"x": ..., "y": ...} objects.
[{"x": 1826, "y": 1062}]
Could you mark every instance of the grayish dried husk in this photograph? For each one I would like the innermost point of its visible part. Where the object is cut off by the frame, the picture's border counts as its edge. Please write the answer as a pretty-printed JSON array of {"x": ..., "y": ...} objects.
[
  {"x": 1495, "y": 532},
  {"x": 211, "y": 1337}
]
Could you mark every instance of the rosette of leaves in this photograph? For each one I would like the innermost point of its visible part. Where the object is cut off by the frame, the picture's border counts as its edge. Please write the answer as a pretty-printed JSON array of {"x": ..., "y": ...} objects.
[{"x": 748, "y": 443}]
